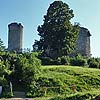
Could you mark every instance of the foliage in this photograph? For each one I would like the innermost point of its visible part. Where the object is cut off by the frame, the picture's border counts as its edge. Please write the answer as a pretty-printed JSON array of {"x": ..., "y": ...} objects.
[
  {"x": 78, "y": 61},
  {"x": 74, "y": 61},
  {"x": 48, "y": 80},
  {"x": 25, "y": 68},
  {"x": 2, "y": 47},
  {"x": 5, "y": 88},
  {"x": 94, "y": 63},
  {"x": 68, "y": 80},
  {"x": 34, "y": 90},
  {"x": 57, "y": 35},
  {"x": 76, "y": 96},
  {"x": 75, "y": 83},
  {"x": 3, "y": 82},
  {"x": 47, "y": 61},
  {"x": 65, "y": 60},
  {"x": 20, "y": 69}
]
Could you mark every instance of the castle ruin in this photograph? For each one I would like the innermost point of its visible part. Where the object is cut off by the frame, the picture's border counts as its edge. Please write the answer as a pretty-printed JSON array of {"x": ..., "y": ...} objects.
[
  {"x": 15, "y": 33},
  {"x": 83, "y": 42}
]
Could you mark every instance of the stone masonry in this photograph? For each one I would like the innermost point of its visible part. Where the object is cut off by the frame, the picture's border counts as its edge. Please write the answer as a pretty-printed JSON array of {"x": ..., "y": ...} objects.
[
  {"x": 15, "y": 33},
  {"x": 83, "y": 42}
]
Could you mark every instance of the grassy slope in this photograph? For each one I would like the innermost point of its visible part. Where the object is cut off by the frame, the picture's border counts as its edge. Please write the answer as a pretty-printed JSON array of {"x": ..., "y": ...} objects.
[
  {"x": 85, "y": 80},
  {"x": 71, "y": 79}
]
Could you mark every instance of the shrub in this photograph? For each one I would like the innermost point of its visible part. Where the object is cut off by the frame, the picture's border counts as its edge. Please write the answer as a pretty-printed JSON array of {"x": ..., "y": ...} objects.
[
  {"x": 25, "y": 68},
  {"x": 5, "y": 88},
  {"x": 64, "y": 60},
  {"x": 47, "y": 61},
  {"x": 33, "y": 90},
  {"x": 30, "y": 67},
  {"x": 78, "y": 61},
  {"x": 93, "y": 62}
]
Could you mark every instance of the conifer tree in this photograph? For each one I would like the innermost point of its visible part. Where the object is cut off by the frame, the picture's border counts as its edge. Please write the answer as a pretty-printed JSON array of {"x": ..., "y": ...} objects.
[{"x": 57, "y": 35}]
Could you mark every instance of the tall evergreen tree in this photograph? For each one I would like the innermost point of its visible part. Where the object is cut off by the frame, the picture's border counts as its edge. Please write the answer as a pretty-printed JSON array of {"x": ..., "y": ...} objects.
[{"x": 57, "y": 35}]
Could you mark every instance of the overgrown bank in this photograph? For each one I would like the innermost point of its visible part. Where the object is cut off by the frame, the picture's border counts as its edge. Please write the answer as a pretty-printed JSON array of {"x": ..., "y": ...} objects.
[
  {"x": 61, "y": 82},
  {"x": 69, "y": 82}
]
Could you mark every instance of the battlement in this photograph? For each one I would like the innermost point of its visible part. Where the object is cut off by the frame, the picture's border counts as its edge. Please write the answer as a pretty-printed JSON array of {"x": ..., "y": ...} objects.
[{"x": 14, "y": 26}]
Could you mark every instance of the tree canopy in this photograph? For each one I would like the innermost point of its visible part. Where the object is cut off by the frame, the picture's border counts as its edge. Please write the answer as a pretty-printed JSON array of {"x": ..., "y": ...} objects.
[{"x": 57, "y": 35}]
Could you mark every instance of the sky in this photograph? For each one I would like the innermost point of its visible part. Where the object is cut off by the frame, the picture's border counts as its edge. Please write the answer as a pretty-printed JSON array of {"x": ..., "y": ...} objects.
[{"x": 30, "y": 14}]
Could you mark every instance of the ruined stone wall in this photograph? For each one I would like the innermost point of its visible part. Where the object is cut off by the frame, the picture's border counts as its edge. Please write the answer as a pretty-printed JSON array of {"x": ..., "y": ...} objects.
[
  {"x": 15, "y": 33},
  {"x": 83, "y": 43}
]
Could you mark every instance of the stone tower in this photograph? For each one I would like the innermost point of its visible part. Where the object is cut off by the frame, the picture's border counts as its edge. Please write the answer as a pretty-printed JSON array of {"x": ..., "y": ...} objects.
[
  {"x": 83, "y": 43},
  {"x": 15, "y": 34}
]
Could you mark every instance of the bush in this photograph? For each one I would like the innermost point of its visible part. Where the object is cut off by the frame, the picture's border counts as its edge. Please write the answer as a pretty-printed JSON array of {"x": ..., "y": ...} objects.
[
  {"x": 6, "y": 95},
  {"x": 47, "y": 61},
  {"x": 78, "y": 61},
  {"x": 30, "y": 67},
  {"x": 94, "y": 62},
  {"x": 5, "y": 88},
  {"x": 33, "y": 90},
  {"x": 64, "y": 60}
]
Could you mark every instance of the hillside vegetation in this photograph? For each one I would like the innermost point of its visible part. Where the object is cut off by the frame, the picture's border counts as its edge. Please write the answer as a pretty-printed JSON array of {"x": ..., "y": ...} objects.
[
  {"x": 69, "y": 82},
  {"x": 53, "y": 82}
]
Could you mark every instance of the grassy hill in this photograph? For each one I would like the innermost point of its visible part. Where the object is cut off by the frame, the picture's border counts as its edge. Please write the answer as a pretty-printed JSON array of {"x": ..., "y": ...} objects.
[{"x": 69, "y": 82}]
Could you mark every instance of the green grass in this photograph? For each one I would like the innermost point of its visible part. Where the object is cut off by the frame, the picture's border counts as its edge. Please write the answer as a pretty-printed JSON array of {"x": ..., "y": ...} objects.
[
  {"x": 70, "y": 80},
  {"x": 68, "y": 83}
]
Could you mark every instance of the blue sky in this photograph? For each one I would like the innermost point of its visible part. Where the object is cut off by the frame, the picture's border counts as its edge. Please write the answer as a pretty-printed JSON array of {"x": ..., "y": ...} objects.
[{"x": 30, "y": 13}]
